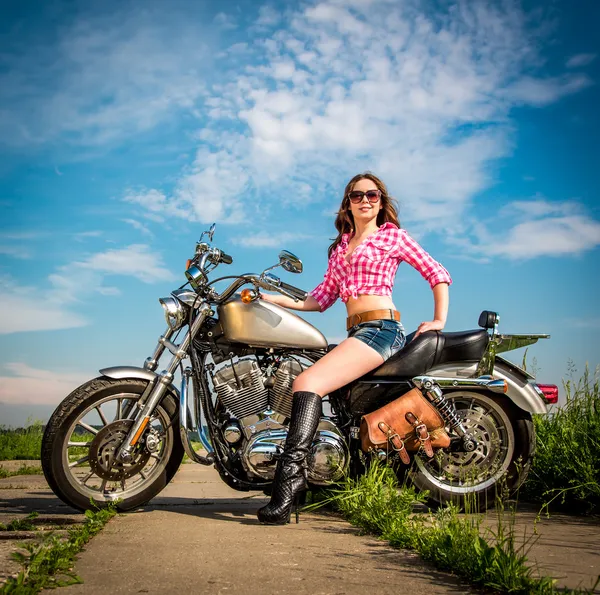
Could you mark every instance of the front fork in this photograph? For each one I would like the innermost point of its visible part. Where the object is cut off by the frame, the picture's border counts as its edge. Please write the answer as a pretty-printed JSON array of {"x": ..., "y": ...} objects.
[{"x": 165, "y": 379}]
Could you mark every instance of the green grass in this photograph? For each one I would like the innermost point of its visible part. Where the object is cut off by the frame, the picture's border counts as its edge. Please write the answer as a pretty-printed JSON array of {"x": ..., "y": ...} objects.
[
  {"x": 452, "y": 542},
  {"x": 565, "y": 473},
  {"x": 50, "y": 563},
  {"x": 21, "y": 524},
  {"x": 22, "y": 443}
]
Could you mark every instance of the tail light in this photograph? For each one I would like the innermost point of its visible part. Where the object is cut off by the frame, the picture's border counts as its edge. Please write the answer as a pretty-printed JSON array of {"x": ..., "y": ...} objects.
[{"x": 550, "y": 392}]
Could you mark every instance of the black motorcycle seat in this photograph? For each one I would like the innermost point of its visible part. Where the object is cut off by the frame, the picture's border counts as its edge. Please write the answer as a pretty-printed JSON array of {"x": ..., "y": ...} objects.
[{"x": 428, "y": 350}]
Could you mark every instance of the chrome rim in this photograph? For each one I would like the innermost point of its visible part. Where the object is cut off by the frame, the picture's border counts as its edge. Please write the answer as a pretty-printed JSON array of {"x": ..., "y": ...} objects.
[
  {"x": 91, "y": 441},
  {"x": 462, "y": 472}
]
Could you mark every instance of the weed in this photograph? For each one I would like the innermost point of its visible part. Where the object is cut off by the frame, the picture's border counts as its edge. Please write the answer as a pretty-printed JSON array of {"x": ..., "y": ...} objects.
[
  {"x": 21, "y": 524},
  {"x": 50, "y": 563}
]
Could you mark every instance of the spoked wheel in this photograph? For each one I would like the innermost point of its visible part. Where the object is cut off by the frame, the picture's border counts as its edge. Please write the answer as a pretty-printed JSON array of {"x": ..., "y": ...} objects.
[
  {"x": 85, "y": 433},
  {"x": 505, "y": 447}
]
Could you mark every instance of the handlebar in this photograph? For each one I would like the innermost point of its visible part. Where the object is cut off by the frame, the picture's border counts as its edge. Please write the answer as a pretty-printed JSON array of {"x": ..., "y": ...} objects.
[
  {"x": 225, "y": 258},
  {"x": 295, "y": 292},
  {"x": 264, "y": 281},
  {"x": 267, "y": 282}
]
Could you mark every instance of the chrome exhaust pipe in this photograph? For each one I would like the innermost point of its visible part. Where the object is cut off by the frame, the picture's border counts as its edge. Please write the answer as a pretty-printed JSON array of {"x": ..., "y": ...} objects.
[{"x": 184, "y": 427}]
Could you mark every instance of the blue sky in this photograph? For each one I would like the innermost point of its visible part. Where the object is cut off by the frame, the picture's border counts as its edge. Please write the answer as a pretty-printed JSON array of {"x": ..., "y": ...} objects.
[{"x": 127, "y": 128}]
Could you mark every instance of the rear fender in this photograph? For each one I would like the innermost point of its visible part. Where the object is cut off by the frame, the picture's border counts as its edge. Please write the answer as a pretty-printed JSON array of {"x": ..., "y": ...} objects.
[{"x": 520, "y": 388}]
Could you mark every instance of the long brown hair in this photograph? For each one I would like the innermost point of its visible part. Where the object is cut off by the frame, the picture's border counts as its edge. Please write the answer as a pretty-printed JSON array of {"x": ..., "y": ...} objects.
[{"x": 344, "y": 222}]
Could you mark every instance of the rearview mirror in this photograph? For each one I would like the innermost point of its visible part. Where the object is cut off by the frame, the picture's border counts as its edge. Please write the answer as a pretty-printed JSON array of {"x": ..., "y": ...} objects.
[
  {"x": 210, "y": 233},
  {"x": 290, "y": 262}
]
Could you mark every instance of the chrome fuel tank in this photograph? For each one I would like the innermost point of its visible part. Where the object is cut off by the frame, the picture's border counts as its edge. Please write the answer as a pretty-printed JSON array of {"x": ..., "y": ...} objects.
[{"x": 262, "y": 324}]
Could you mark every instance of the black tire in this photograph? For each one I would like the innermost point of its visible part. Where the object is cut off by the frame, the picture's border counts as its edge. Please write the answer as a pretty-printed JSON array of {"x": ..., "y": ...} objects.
[
  {"x": 504, "y": 475},
  {"x": 55, "y": 456}
]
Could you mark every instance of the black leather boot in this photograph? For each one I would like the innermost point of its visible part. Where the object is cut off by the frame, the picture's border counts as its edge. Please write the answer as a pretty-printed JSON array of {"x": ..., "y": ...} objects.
[{"x": 290, "y": 473}]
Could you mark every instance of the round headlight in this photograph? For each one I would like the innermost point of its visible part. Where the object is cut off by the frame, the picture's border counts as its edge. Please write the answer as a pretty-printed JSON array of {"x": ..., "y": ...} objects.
[{"x": 174, "y": 312}]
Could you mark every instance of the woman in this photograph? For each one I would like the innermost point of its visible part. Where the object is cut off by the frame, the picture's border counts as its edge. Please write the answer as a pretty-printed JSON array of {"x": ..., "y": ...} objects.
[{"x": 363, "y": 261}]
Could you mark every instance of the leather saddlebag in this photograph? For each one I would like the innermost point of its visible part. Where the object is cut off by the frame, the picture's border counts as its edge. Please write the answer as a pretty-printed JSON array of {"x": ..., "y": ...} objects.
[{"x": 407, "y": 424}]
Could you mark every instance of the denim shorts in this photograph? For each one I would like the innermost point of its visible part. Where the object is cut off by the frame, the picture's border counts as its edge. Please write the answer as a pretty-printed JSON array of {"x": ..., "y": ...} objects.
[{"x": 386, "y": 337}]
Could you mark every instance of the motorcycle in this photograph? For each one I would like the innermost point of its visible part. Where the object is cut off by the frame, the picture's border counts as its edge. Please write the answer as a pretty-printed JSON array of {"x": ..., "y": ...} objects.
[{"x": 121, "y": 437}]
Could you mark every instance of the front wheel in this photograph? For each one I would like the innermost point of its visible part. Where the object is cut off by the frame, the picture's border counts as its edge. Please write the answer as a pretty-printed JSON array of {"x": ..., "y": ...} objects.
[
  {"x": 505, "y": 447},
  {"x": 86, "y": 430}
]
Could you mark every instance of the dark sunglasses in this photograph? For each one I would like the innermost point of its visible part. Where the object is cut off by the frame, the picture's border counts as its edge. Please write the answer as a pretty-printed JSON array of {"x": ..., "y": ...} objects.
[{"x": 356, "y": 196}]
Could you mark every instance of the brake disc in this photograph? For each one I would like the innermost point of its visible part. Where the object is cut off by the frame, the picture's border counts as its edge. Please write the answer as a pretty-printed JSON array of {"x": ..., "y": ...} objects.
[{"x": 104, "y": 448}]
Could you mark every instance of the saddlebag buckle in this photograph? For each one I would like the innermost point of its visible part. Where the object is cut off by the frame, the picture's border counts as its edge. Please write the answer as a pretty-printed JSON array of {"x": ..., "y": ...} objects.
[{"x": 395, "y": 441}]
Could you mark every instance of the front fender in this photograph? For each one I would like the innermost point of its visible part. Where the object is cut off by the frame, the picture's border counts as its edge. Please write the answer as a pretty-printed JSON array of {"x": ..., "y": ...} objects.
[
  {"x": 520, "y": 390},
  {"x": 120, "y": 372}
]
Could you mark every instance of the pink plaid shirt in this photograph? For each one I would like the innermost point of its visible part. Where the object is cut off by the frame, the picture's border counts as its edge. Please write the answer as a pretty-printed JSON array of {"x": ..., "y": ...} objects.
[{"x": 373, "y": 266}]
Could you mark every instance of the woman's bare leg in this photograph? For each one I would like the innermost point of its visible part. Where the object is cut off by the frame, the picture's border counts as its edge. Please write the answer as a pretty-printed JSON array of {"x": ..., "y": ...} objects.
[
  {"x": 350, "y": 360},
  {"x": 346, "y": 362}
]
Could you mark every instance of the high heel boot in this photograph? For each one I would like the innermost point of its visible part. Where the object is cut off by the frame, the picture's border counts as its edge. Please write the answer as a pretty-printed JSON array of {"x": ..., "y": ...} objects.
[{"x": 290, "y": 472}]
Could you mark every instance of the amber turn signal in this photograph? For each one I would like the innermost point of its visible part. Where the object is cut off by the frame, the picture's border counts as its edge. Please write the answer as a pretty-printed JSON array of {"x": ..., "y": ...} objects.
[
  {"x": 248, "y": 295},
  {"x": 188, "y": 264}
]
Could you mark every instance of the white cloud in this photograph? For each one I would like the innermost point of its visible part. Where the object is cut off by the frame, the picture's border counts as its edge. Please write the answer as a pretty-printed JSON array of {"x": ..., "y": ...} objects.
[
  {"x": 540, "y": 92},
  {"x": 30, "y": 386},
  {"x": 134, "y": 261},
  {"x": 580, "y": 60},
  {"x": 27, "y": 309},
  {"x": 550, "y": 236},
  {"x": 18, "y": 244},
  {"x": 423, "y": 99},
  {"x": 84, "y": 235},
  {"x": 139, "y": 226},
  {"x": 19, "y": 235},
  {"x": 269, "y": 240},
  {"x": 545, "y": 228},
  {"x": 108, "y": 75},
  {"x": 267, "y": 16},
  {"x": 15, "y": 251},
  {"x": 539, "y": 207},
  {"x": 224, "y": 21},
  {"x": 212, "y": 190},
  {"x": 311, "y": 95}
]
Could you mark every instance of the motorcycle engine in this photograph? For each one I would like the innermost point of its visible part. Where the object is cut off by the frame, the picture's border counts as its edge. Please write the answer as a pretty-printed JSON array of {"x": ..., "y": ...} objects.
[{"x": 261, "y": 404}]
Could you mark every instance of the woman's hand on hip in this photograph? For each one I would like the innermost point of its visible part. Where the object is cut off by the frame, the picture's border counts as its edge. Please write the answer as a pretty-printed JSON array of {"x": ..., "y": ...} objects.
[{"x": 431, "y": 325}]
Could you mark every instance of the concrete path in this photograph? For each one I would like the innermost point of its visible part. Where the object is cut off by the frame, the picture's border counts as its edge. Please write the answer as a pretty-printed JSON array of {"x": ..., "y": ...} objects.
[{"x": 200, "y": 536}]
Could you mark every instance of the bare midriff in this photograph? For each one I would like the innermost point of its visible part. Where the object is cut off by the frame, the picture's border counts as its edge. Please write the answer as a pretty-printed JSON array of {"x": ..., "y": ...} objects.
[{"x": 364, "y": 303}]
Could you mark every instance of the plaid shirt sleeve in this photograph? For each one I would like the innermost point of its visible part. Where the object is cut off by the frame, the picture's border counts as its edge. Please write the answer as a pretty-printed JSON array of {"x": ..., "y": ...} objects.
[
  {"x": 327, "y": 292},
  {"x": 407, "y": 249}
]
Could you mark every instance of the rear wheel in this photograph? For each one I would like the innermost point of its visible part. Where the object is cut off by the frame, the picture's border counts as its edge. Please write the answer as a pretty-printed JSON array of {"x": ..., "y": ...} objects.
[
  {"x": 84, "y": 434},
  {"x": 499, "y": 465}
]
